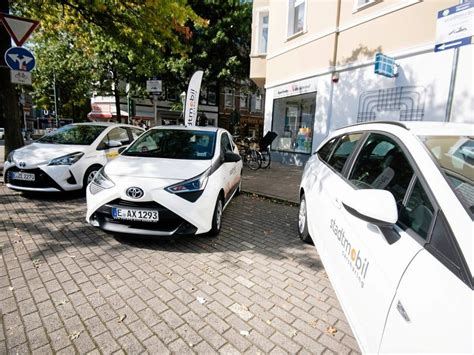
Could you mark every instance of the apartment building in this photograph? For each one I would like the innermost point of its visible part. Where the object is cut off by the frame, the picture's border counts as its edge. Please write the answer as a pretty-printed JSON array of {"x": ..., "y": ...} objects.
[{"x": 316, "y": 59}]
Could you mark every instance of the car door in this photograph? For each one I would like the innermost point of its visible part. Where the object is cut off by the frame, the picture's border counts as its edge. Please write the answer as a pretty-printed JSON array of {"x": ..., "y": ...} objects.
[
  {"x": 228, "y": 169},
  {"x": 115, "y": 135},
  {"x": 433, "y": 308},
  {"x": 367, "y": 264}
]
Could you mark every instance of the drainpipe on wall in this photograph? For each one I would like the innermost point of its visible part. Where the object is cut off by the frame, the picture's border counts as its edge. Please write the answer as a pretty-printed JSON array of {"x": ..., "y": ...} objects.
[
  {"x": 334, "y": 59},
  {"x": 452, "y": 83}
]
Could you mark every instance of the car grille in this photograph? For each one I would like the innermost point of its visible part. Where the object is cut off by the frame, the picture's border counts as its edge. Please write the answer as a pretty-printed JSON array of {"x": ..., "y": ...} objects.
[
  {"x": 168, "y": 221},
  {"x": 42, "y": 180}
]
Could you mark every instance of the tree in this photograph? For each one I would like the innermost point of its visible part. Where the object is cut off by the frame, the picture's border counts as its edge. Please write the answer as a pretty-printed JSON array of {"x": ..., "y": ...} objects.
[
  {"x": 9, "y": 109},
  {"x": 98, "y": 43}
]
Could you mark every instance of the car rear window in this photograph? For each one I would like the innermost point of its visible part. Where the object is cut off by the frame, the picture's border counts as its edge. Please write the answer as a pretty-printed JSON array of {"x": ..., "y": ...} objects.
[
  {"x": 174, "y": 144},
  {"x": 455, "y": 158}
]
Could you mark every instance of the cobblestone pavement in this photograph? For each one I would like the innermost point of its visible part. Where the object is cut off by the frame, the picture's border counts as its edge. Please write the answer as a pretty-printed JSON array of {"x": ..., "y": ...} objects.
[{"x": 68, "y": 287}]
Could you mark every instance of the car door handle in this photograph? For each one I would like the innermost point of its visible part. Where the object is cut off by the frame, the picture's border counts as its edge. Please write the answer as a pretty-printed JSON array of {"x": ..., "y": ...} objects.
[{"x": 402, "y": 311}]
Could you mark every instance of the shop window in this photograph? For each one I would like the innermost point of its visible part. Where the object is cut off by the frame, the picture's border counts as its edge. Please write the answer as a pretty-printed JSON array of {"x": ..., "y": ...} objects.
[
  {"x": 229, "y": 98},
  {"x": 296, "y": 16},
  {"x": 361, "y": 4},
  {"x": 203, "y": 99},
  {"x": 211, "y": 95},
  {"x": 263, "y": 33},
  {"x": 293, "y": 121}
]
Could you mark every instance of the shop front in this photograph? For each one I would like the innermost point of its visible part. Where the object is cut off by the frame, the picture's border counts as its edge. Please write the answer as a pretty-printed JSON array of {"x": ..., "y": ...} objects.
[{"x": 292, "y": 118}]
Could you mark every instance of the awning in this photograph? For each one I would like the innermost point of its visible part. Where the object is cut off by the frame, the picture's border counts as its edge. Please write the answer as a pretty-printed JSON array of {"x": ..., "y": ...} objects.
[{"x": 98, "y": 115}]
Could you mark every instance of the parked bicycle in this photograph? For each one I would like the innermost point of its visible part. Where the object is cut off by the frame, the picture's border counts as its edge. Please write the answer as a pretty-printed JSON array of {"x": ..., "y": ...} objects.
[
  {"x": 265, "y": 142},
  {"x": 251, "y": 157}
]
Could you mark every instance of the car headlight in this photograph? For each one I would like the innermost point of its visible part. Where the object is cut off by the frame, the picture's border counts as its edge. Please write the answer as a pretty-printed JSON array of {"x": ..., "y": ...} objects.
[
  {"x": 197, "y": 183},
  {"x": 102, "y": 180},
  {"x": 10, "y": 156},
  {"x": 67, "y": 159}
]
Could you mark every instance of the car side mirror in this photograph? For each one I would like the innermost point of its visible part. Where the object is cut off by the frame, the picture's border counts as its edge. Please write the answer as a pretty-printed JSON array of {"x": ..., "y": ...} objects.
[
  {"x": 230, "y": 157},
  {"x": 374, "y": 206},
  {"x": 113, "y": 144},
  {"x": 121, "y": 149}
]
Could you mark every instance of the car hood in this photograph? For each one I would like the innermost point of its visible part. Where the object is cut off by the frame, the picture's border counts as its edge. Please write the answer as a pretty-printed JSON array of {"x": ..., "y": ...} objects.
[
  {"x": 175, "y": 169},
  {"x": 39, "y": 153}
]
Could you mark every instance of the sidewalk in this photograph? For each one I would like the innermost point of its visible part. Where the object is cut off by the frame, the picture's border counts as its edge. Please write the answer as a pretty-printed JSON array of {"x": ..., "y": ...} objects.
[{"x": 279, "y": 181}]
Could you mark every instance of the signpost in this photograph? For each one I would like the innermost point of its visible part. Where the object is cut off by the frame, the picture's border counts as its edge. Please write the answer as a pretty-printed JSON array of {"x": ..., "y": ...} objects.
[
  {"x": 454, "y": 26},
  {"x": 19, "y": 28},
  {"x": 154, "y": 87}
]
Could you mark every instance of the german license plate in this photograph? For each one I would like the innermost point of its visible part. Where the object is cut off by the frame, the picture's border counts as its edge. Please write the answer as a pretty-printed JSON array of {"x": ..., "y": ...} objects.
[
  {"x": 135, "y": 215},
  {"x": 14, "y": 175}
]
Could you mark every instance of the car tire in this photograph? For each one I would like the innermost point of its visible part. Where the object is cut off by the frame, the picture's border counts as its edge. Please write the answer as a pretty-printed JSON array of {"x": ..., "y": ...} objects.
[
  {"x": 303, "y": 221},
  {"x": 89, "y": 175},
  {"x": 217, "y": 217}
]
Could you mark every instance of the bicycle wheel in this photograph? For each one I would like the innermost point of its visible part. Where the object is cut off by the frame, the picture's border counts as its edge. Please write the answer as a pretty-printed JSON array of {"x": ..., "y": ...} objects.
[
  {"x": 266, "y": 159},
  {"x": 253, "y": 160}
]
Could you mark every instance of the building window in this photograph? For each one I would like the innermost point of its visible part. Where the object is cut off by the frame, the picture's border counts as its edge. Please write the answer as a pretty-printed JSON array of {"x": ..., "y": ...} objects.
[
  {"x": 211, "y": 95},
  {"x": 293, "y": 120},
  {"x": 244, "y": 101},
  {"x": 362, "y": 4},
  {"x": 296, "y": 16},
  {"x": 263, "y": 35},
  {"x": 229, "y": 98},
  {"x": 256, "y": 103},
  {"x": 203, "y": 96}
]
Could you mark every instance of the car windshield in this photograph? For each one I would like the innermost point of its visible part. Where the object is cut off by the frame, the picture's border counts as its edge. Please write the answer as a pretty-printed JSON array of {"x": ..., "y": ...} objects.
[
  {"x": 174, "y": 144},
  {"x": 455, "y": 156},
  {"x": 73, "y": 134}
]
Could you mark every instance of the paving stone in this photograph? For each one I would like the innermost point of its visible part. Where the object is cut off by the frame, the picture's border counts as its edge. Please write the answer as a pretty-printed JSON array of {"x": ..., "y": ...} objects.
[{"x": 129, "y": 296}]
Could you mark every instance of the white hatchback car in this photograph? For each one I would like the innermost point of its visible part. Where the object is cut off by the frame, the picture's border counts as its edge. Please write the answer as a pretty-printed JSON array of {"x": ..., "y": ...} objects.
[
  {"x": 389, "y": 206},
  {"x": 68, "y": 158},
  {"x": 172, "y": 180}
]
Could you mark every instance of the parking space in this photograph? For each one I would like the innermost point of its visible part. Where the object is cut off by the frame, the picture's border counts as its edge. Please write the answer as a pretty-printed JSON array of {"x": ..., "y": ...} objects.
[{"x": 66, "y": 286}]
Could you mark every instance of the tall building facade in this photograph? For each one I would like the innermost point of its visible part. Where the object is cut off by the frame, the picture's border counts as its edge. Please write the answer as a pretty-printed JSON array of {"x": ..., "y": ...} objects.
[{"x": 316, "y": 58}]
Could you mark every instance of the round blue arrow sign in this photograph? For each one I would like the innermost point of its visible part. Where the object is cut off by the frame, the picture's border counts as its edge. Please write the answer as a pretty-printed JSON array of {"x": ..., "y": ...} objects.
[{"x": 19, "y": 58}]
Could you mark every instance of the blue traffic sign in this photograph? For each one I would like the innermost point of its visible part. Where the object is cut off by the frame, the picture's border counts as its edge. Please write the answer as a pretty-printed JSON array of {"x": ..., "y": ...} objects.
[
  {"x": 454, "y": 26},
  {"x": 453, "y": 44},
  {"x": 19, "y": 58}
]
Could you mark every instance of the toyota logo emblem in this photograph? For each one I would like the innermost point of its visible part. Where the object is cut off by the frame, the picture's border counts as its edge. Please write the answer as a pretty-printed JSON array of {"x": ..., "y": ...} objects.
[
  {"x": 134, "y": 192},
  {"x": 22, "y": 164}
]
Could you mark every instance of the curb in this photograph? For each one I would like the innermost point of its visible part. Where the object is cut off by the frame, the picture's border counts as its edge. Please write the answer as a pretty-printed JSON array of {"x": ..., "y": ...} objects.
[{"x": 270, "y": 198}]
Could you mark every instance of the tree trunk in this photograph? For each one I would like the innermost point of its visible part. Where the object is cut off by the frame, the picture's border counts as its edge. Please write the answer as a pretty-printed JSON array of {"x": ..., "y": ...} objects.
[
  {"x": 8, "y": 96},
  {"x": 117, "y": 96}
]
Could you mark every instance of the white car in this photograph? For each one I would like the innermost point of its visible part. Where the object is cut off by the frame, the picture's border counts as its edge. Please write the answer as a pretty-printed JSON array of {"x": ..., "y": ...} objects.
[
  {"x": 172, "y": 180},
  {"x": 389, "y": 207},
  {"x": 68, "y": 158},
  {"x": 2, "y": 133}
]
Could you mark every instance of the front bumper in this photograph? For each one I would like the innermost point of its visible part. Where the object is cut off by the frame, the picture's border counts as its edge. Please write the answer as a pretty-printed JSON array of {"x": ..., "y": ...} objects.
[
  {"x": 49, "y": 179},
  {"x": 169, "y": 223}
]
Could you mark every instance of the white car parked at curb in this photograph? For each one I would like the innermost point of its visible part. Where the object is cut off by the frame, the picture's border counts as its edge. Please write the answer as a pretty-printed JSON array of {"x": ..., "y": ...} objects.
[
  {"x": 389, "y": 207},
  {"x": 172, "y": 180},
  {"x": 68, "y": 158}
]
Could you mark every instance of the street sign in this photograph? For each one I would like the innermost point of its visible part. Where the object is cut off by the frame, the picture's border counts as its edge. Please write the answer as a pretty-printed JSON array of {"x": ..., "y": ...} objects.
[
  {"x": 19, "y": 58},
  {"x": 19, "y": 28},
  {"x": 153, "y": 86},
  {"x": 20, "y": 77},
  {"x": 454, "y": 27}
]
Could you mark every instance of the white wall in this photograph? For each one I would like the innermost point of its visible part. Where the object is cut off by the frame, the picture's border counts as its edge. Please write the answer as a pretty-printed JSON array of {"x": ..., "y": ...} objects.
[{"x": 463, "y": 103}]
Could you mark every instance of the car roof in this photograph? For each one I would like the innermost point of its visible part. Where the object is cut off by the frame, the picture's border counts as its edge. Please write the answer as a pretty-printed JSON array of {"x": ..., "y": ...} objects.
[
  {"x": 195, "y": 128},
  {"x": 414, "y": 128},
  {"x": 103, "y": 124}
]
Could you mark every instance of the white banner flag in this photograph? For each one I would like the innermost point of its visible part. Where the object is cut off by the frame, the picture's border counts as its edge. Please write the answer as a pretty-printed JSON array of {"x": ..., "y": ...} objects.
[{"x": 192, "y": 99}]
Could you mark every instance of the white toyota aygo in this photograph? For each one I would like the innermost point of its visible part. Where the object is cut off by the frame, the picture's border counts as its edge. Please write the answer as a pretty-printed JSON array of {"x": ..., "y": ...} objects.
[
  {"x": 389, "y": 207},
  {"x": 173, "y": 180},
  {"x": 68, "y": 158}
]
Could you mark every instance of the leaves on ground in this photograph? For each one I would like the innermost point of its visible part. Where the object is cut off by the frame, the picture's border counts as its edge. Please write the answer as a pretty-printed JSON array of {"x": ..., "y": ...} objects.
[
  {"x": 201, "y": 300},
  {"x": 122, "y": 318},
  {"x": 63, "y": 302},
  {"x": 75, "y": 335},
  {"x": 331, "y": 330}
]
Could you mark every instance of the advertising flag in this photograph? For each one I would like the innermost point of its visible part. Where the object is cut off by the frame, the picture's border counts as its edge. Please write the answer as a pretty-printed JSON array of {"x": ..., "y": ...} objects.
[{"x": 192, "y": 99}]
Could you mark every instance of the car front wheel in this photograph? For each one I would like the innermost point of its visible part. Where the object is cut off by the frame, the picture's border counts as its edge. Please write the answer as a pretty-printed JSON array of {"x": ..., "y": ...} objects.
[
  {"x": 217, "y": 217},
  {"x": 90, "y": 174},
  {"x": 303, "y": 221}
]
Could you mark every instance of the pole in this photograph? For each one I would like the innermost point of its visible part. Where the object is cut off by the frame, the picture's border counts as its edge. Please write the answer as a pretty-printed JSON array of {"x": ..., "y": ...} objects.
[
  {"x": 55, "y": 100},
  {"x": 452, "y": 82},
  {"x": 155, "y": 109}
]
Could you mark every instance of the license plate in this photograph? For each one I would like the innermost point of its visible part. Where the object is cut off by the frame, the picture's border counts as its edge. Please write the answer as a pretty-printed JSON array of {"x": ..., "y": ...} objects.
[
  {"x": 22, "y": 176},
  {"x": 135, "y": 215}
]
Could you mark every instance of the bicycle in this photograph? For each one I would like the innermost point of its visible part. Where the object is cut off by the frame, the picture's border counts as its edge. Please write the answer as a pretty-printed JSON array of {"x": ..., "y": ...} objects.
[
  {"x": 265, "y": 143},
  {"x": 251, "y": 157}
]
